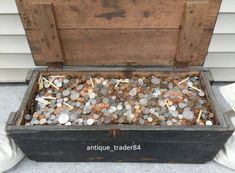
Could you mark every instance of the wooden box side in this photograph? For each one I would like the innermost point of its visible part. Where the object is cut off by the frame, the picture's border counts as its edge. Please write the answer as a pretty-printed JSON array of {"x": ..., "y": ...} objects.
[
  {"x": 33, "y": 86},
  {"x": 119, "y": 32}
]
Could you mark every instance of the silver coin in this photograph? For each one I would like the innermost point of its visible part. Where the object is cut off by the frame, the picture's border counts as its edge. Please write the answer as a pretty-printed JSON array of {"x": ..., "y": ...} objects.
[
  {"x": 201, "y": 101},
  {"x": 182, "y": 105},
  {"x": 78, "y": 104},
  {"x": 73, "y": 116},
  {"x": 66, "y": 93},
  {"x": 105, "y": 100},
  {"x": 66, "y": 81},
  {"x": 188, "y": 115},
  {"x": 141, "y": 82},
  {"x": 65, "y": 99},
  {"x": 90, "y": 121},
  {"x": 119, "y": 107},
  {"x": 92, "y": 95},
  {"x": 174, "y": 113},
  {"x": 68, "y": 124},
  {"x": 209, "y": 123},
  {"x": 143, "y": 101},
  {"x": 173, "y": 108},
  {"x": 180, "y": 116},
  {"x": 59, "y": 84},
  {"x": 141, "y": 121},
  {"x": 155, "y": 80},
  {"x": 169, "y": 122},
  {"x": 56, "y": 81},
  {"x": 133, "y": 92},
  {"x": 74, "y": 95},
  {"x": 201, "y": 93},
  {"x": 170, "y": 85},
  {"x": 63, "y": 118},
  {"x": 80, "y": 87},
  {"x": 161, "y": 103},
  {"x": 27, "y": 117}
]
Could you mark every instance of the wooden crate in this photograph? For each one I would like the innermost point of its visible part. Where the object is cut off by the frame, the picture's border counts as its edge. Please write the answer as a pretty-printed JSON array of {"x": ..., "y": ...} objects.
[{"x": 100, "y": 36}]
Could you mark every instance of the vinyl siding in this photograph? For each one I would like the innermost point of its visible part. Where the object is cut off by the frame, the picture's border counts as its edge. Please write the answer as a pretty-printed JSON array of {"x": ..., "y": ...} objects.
[{"x": 16, "y": 60}]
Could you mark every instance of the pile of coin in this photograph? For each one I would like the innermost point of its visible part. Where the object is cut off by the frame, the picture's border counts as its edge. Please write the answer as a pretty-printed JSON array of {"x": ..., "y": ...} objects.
[{"x": 138, "y": 100}]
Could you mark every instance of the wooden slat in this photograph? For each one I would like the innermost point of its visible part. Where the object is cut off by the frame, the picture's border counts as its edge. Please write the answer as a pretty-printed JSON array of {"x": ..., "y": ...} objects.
[
  {"x": 115, "y": 47},
  {"x": 8, "y": 7},
  {"x": 11, "y": 25},
  {"x": 48, "y": 35},
  {"x": 117, "y": 14},
  {"x": 20, "y": 61},
  {"x": 191, "y": 34},
  {"x": 14, "y": 44}
]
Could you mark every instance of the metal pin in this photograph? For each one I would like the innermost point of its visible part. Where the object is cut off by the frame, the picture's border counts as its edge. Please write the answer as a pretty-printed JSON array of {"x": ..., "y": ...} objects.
[
  {"x": 40, "y": 82},
  {"x": 71, "y": 107},
  {"x": 92, "y": 84},
  {"x": 121, "y": 81},
  {"x": 49, "y": 98},
  {"x": 182, "y": 81},
  {"x": 199, "y": 117},
  {"x": 195, "y": 88},
  {"x": 167, "y": 104},
  {"x": 43, "y": 101},
  {"x": 50, "y": 83}
]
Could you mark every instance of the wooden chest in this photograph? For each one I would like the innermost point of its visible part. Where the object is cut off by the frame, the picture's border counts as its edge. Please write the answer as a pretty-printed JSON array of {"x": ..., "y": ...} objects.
[{"x": 119, "y": 37}]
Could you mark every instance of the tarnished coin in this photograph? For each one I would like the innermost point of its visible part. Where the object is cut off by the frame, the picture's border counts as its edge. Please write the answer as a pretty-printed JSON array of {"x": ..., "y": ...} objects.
[
  {"x": 27, "y": 117},
  {"x": 133, "y": 92},
  {"x": 74, "y": 95},
  {"x": 155, "y": 80},
  {"x": 66, "y": 93}
]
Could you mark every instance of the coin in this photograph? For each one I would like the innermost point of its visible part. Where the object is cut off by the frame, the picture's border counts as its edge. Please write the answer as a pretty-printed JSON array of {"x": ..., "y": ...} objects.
[
  {"x": 42, "y": 121},
  {"x": 74, "y": 95},
  {"x": 66, "y": 93},
  {"x": 27, "y": 117},
  {"x": 209, "y": 123},
  {"x": 133, "y": 92},
  {"x": 63, "y": 118},
  {"x": 119, "y": 107},
  {"x": 155, "y": 80},
  {"x": 201, "y": 93}
]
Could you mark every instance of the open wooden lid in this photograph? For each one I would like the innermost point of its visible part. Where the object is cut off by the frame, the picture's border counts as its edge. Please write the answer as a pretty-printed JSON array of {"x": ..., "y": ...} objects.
[{"x": 119, "y": 32}]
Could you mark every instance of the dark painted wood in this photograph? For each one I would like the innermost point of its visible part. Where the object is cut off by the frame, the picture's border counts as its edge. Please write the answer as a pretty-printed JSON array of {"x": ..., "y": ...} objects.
[{"x": 165, "y": 144}]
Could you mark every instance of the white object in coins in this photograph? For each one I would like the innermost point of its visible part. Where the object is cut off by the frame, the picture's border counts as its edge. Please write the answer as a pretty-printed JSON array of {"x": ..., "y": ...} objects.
[
  {"x": 119, "y": 107},
  {"x": 63, "y": 118},
  {"x": 90, "y": 121},
  {"x": 209, "y": 123}
]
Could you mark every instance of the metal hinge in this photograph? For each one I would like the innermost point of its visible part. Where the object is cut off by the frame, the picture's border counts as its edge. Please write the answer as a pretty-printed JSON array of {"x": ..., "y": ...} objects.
[
  {"x": 114, "y": 132},
  {"x": 55, "y": 66}
]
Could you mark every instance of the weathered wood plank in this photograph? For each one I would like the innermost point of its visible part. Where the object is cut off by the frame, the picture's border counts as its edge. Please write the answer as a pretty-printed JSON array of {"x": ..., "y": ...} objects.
[
  {"x": 191, "y": 33},
  {"x": 117, "y": 47},
  {"x": 117, "y": 13},
  {"x": 48, "y": 35}
]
